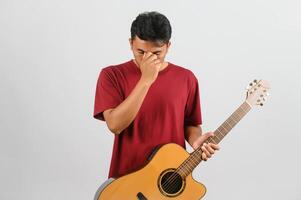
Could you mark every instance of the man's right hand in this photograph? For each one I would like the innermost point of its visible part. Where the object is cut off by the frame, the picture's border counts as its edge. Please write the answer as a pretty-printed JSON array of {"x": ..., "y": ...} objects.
[
  {"x": 123, "y": 115},
  {"x": 150, "y": 67}
]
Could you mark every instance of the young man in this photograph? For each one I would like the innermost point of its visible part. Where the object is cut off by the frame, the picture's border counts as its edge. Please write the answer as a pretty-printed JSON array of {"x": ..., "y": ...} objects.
[{"x": 147, "y": 101}]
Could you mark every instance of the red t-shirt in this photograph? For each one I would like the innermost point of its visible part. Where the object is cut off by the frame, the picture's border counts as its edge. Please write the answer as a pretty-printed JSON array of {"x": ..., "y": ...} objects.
[{"x": 171, "y": 103}]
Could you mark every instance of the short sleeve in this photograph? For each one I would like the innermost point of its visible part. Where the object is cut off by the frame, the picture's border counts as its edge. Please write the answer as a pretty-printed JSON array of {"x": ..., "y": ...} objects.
[
  {"x": 107, "y": 95},
  {"x": 193, "y": 115}
]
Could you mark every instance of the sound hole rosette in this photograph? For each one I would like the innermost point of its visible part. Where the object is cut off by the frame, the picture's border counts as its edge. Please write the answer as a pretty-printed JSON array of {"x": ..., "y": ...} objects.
[{"x": 175, "y": 185}]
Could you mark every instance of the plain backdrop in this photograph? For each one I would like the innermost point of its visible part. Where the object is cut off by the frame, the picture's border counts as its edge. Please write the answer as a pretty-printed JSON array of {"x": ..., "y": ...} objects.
[{"x": 51, "y": 53}]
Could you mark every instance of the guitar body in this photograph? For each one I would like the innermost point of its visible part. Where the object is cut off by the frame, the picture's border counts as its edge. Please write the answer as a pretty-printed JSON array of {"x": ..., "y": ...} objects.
[{"x": 149, "y": 183}]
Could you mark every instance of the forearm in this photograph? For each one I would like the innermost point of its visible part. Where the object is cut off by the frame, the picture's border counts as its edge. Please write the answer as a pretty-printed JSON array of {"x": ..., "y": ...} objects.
[
  {"x": 192, "y": 133},
  {"x": 123, "y": 115}
]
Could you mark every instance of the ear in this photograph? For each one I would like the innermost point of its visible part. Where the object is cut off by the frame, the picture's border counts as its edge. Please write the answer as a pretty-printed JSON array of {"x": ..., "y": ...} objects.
[
  {"x": 131, "y": 43},
  {"x": 168, "y": 45}
]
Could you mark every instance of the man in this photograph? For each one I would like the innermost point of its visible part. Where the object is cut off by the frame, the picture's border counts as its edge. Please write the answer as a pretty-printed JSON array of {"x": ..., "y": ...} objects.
[{"x": 147, "y": 101}]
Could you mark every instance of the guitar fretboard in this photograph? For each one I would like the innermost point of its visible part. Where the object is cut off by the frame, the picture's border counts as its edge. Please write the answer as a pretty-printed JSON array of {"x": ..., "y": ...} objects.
[{"x": 195, "y": 158}]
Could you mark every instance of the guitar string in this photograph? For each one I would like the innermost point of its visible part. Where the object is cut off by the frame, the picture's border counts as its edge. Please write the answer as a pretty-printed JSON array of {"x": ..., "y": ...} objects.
[{"x": 173, "y": 177}]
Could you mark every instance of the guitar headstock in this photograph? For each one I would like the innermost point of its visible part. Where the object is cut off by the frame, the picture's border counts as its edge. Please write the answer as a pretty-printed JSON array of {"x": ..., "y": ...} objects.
[{"x": 257, "y": 92}]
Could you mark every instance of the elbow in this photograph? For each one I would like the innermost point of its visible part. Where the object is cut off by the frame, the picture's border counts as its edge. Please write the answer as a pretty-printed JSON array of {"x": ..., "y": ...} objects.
[
  {"x": 114, "y": 129},
  {"x": 113, "y": 123}
]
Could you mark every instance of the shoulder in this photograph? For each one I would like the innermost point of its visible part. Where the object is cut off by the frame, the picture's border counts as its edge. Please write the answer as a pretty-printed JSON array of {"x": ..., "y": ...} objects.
[
  {"x": 115, "y": 71},
  {"x": 183, "y": 71},
  {"x": 116, "y": 67}
]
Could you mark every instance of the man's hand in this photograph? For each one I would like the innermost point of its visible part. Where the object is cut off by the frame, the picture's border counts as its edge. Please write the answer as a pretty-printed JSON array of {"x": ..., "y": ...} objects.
[
  {"x": 150, "y": 66},
  {"x": 207, "y": 148}
]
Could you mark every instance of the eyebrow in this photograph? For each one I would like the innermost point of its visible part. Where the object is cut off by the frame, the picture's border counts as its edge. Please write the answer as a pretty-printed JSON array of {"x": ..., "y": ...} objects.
[{"x": 152, "y": 52}]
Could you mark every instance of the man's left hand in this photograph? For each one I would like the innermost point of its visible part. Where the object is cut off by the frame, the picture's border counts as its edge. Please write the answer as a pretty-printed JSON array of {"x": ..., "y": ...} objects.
[{"x": 207, "y": 148}]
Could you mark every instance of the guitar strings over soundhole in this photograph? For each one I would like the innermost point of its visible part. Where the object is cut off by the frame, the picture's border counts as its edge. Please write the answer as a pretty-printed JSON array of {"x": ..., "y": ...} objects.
[{"x": 170, "y": 183}]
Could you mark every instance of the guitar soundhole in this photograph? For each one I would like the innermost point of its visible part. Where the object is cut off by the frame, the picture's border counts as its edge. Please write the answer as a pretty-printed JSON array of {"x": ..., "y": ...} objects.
[{"x": 171, "y": 183}]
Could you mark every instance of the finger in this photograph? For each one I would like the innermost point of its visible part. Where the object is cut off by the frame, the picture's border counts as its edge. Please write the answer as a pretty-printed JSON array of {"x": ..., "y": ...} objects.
[
  {"x": 210, "y": 149},
  {"x": 156, "y": 61},
  {"x": 214, "y": 146},
  {"x": 151, "y": 58},
  {"x": 145, "y": 56},
  {"x": 148, "y": 54},
  {"x": 204, "y": 149},
  {"x": 204, "y": 137},
  {"x": 204, "y": 157}
]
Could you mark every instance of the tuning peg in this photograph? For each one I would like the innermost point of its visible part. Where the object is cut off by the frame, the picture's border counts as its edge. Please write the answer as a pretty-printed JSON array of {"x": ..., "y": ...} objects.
[
  {"x": 255, "y": 81},
  {"x": 251, "y": 84},
  {"x": 261, "y": 104}
]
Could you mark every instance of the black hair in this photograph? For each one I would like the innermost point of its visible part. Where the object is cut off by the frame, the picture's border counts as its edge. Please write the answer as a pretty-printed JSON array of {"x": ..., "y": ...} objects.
[{"x": 151, "y": 26}]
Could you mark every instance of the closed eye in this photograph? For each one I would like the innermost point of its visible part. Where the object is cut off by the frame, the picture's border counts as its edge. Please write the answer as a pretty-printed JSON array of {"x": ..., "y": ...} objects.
[{"x": 142, "y": 52}]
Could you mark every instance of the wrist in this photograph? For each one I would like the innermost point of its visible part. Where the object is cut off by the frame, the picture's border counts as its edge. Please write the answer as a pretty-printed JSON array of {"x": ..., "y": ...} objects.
[{"x": 145, "y": 82}]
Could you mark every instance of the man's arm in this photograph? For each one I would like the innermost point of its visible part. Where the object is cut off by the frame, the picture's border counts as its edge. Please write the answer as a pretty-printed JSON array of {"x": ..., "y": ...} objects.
[
  {"x": 192, "y": 133},
  {"x": 121, "y": 117},
  {"x": 195, "y": 138}
]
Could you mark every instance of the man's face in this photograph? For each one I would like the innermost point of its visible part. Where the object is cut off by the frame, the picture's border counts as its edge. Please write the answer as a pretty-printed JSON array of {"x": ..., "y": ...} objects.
[{"x": 139, "y": 47}]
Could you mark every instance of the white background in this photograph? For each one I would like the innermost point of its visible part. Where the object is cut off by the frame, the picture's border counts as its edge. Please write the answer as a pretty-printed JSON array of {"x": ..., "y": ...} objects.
[{"x": 51, "y": 53}]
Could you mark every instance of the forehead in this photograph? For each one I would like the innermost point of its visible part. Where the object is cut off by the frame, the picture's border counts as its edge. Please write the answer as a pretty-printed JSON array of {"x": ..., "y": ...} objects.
[{"x": 147, "y": 45}]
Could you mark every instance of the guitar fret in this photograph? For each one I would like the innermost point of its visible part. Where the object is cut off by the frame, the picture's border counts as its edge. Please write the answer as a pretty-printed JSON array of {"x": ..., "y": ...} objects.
[
  {"x": 229, "y": 124},
  {"x": 217, "y": 137},
  {"x": 214, "y": 140}
]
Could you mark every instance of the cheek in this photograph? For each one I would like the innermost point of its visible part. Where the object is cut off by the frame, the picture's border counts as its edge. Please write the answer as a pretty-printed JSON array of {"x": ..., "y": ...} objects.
[
  {"x": 138, "y": 59},
  {"x": 161, "y": 57}
]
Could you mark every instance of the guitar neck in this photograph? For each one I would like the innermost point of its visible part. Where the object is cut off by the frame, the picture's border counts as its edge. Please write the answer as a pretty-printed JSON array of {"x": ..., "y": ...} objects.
[
  {"x": 195, "y": 158},
  {"x": 226, "y": 127}
]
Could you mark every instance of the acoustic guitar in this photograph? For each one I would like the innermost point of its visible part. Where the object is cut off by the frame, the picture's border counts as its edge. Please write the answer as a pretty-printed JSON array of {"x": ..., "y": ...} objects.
[{"x": 167, "y": 175}]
